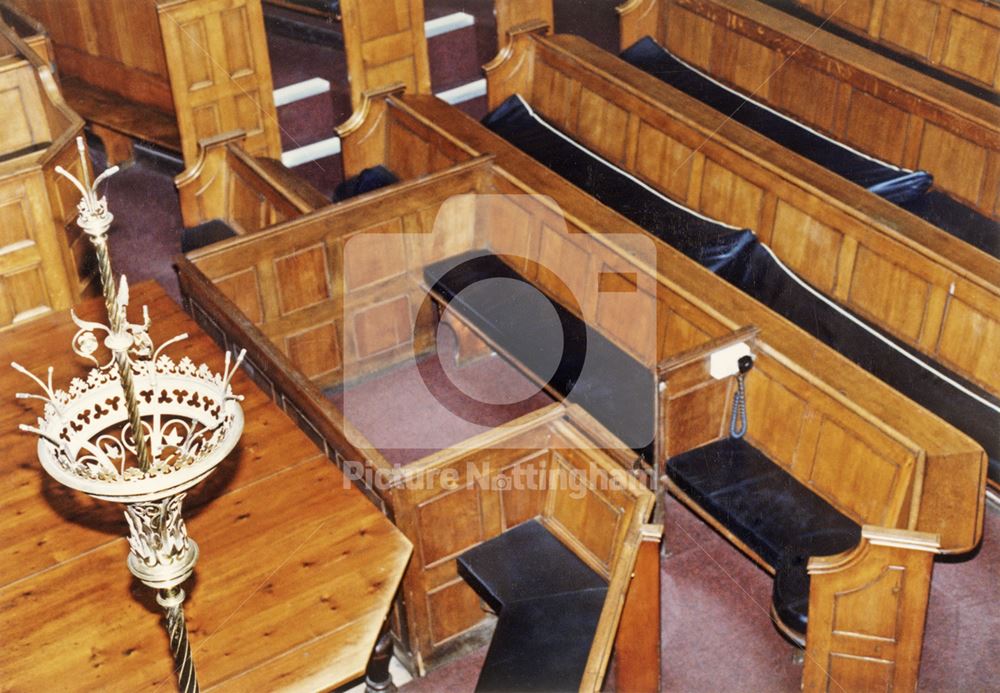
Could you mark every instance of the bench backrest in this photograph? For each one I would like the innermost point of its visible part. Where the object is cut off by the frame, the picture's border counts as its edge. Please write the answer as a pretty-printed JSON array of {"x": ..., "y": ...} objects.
[
  {"x": 543, "y": 467},
  {"x": 856, "y": 96},
  {"x": 247, "y": 192},
  {"x": 851, "y": 405},
  {"x": 911, "y": 278},
  {"x": 205, "y": 61},
  {"x": 42, "y": 251},
  {"x": 959, "y": 36}
]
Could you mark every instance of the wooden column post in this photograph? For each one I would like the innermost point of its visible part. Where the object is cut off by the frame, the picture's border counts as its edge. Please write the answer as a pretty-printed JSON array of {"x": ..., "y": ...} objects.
[{"x": 637, "y": 647}]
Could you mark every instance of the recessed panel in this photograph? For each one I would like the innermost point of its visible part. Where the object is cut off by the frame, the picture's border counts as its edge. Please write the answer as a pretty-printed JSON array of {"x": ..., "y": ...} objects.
[{"x": 302, "y": 278}]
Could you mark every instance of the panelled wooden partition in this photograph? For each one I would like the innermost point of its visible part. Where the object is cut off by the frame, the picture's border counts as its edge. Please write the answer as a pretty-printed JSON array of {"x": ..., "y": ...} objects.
[
  {"x": 855, "y": 95},
  {"x": 286, "y": 293},
  {"x": 172, "y": 72},
  {"x": 913, "y": 279},
  {"x": 385, "y": 44},
  {"x": 44, "y": 258},
  {"x": 694, "y": 306},
  {"x": 854, "y": 458},
  {"x": 958, "y": 36}
]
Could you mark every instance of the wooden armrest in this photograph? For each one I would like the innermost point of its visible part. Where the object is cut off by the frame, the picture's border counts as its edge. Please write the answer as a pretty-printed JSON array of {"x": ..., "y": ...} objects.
[
  {"x": 636, "y": 19},
  {"x": 298, "y": 190},
  {"x": 867, "y": 608}
]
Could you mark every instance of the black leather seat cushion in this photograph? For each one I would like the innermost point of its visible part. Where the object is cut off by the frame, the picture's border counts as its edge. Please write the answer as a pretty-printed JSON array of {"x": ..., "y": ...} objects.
[
  {"x": 764, "y": 506},
  {"x": 206, "y": 233},
  {"x": 593, "y": 372},
  {"x": 790, "y": 596},
  {"x": 549, "y": 602},
  {"x": 908, "y": 189},
  {"x": 543, "y": 644},
  {"x": 526, "y": 561},
  {"x": 368, "y": 180},
  {"x": 770, "y": 511}
]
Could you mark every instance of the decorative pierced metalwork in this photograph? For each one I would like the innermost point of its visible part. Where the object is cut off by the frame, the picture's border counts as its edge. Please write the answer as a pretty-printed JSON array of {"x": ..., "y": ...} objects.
[{"x": 139, "y": 429}]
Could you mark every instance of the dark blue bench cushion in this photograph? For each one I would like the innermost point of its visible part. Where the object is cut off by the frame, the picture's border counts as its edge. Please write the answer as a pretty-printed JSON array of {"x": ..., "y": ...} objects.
[
  {"x": 740, "y": 258},
  {"x": 770, "y": 511},
  {"x": 764, "y": 506},
  {"x": 909, "y": 189},
  {"x": 542, "y": 644},
  {"x": 526, "y": 561},
  {"x": 591, "y": 371},
  {"x": 368, "y": 180}
]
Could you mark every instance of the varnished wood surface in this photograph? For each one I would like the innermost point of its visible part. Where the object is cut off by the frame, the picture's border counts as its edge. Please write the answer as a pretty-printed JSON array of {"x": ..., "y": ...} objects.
[
  {"x": 198, "y": 68},
  {"x": 43, "y": 255},
  {"x": 856, "y": 96},
  {"x": 385, "y": 44},
  {"x": 845, "y": 417},
  {"x": 867, "y": 609},
  {"x": 916, "y": 281},
  {"x": 247, "y": 192},
  {"x": 297, "y": 568},
  {"x": 958, "y": 36}
]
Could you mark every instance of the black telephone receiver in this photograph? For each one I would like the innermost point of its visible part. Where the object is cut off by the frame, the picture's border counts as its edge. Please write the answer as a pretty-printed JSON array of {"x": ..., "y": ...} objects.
[{"x": 738, "y": 422}]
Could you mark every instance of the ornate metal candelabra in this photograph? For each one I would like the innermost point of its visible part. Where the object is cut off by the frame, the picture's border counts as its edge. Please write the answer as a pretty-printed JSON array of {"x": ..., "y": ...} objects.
[{"x": 139, "y": 430}]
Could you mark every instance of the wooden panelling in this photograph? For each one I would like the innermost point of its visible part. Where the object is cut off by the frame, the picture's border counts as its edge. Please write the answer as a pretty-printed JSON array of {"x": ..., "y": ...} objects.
[
  {"x": 867, "y": 609},
  {"x": 860, "y": 250},
  {"x": 888, "y": 293},
  {"x": 220, "y": 73},
  {"x": 969, "y": 337},
  {"x": 874, "y": 126},
  {"x": 729, "y": 198},
  {"x": 958, "y": 164},
  {"x": 243, "y": 289},
  {"x": 169, "y": 71},
  {"x": 315, "y": 351},
  {"x": 663, "y": 161},
  {"x": 44, "y": 258},
  {"x": 958, "y": 36},
  {"x": 303, "y": 278},
  {"x": 799, "y": 240},
  {"x": 883, "y": 99},
  {"x": 385, "y": 44}
]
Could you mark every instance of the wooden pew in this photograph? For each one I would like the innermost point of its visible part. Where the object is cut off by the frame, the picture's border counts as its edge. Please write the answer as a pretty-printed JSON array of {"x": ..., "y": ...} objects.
[
  {"x": 777, "y": 439},
  {"x": 247, "y": 192},
  {"x": 834, "y": 431},
  {"x": 282, "y": 293},
  {"x": 44, "y": 257},
  {"x": 170, "y": 72},
  {"x": 914, "y": 280},
  {"x": 858, "y": 97},
  {"x": 961, "y": 37},
  {"x": 251, "y": 192},
  {"x": 30, "y": 31}
]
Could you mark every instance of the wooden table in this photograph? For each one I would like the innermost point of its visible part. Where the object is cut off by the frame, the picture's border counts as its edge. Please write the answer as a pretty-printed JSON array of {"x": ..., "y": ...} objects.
[{"x": 297, "y": 569}]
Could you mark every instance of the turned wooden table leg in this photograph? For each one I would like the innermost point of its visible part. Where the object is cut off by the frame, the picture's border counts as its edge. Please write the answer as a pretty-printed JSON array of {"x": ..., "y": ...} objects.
[{"x": 377, "y": 676}]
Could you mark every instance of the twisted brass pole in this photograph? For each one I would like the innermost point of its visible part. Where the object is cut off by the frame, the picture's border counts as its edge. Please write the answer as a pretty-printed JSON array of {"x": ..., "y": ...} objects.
[
  {"x": 122, "y": 364},
  {"x": 172, "y": 601}
]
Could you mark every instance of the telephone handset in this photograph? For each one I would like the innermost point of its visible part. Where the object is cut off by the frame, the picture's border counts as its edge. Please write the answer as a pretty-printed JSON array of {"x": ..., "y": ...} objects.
[{"x": 738, "y": 421}]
